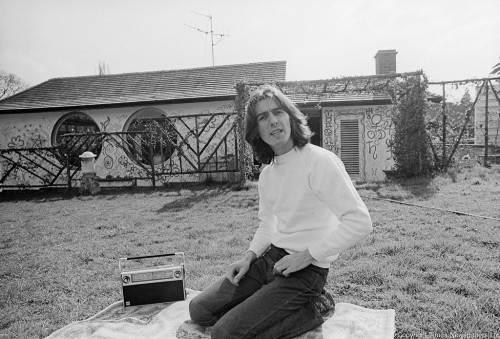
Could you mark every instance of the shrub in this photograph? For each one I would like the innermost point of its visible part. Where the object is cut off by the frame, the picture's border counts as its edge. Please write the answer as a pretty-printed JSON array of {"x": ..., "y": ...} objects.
[{"x": 411, "y": 149}]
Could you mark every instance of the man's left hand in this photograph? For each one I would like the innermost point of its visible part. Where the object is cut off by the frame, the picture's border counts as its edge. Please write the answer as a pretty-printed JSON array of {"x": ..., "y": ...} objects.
[{"x": 293, "y": 263}]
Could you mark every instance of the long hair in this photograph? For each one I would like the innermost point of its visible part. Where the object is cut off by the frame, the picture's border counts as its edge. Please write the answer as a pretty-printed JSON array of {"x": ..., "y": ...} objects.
[{"x": 300, "y": 132}]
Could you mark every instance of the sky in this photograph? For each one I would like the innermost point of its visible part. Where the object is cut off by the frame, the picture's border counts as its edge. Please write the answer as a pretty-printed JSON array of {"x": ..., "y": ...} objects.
[{"x": 319, "y": 39}]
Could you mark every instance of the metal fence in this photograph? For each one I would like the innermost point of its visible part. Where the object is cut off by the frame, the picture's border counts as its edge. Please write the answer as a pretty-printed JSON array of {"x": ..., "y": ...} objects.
[
  {"x": 466, "y": 120},
  {"x": 157, "y": 150},
  {"x": 34, "y": 167}
]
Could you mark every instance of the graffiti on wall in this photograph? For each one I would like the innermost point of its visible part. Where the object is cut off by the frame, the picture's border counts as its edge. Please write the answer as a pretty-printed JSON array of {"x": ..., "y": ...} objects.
[
  {"x": 328, "y": 128},
  {"x": 31, "y": 167},
  {"x": 188, "y": 144},
  {"x": 376, "y": 134},
  {"x": 114, "y": 163},
  {"x": 379, "y": 130},
  {"x": 207, "y": 140},
  {"x": 28, "y": 135}
]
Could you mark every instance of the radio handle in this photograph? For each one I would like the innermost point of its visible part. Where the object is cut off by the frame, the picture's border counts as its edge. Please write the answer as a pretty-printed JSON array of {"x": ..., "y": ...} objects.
[
  {"x": 154, "y": 256},
  {"x": 151, "y": 256}
]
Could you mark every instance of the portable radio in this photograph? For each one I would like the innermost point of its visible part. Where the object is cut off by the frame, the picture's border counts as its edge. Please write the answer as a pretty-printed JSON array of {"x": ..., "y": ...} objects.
[{"x": 150, "y": 285}]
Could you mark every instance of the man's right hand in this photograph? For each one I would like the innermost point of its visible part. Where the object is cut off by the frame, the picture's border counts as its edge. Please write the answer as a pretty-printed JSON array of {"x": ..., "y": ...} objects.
[{"x": 236, "y": 271}]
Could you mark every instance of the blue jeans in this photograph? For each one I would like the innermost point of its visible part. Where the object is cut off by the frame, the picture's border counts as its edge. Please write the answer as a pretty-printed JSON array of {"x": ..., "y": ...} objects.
[{"x": 264, "y": 305}]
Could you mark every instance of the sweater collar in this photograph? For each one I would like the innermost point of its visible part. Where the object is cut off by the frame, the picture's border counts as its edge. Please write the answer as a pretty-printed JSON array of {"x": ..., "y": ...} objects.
[{"x": 287, "y": 157}]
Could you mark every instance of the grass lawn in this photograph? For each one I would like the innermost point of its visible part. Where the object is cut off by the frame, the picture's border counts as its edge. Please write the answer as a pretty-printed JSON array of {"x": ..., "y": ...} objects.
[{"x": 439, "y": 270}]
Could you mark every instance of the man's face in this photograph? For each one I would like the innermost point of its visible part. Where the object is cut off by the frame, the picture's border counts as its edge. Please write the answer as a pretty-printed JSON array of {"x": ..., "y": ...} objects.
[{"x": 274, "y": 126}]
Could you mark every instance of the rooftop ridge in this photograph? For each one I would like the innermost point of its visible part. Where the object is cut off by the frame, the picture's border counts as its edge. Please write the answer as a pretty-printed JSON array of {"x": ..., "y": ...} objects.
[
  {"x": 135, "y": 87},
  {"x": 165, "y": 71}
]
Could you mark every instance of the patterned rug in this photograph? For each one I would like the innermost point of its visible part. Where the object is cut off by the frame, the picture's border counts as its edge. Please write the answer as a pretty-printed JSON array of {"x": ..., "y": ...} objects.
[{"x": 171, "y": 320}]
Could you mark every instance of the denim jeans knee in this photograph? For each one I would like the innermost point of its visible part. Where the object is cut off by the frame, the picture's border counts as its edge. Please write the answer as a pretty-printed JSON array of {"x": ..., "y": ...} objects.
[
  {"x": 200, "y": 314},
  {"x": 221, "y": 331},
  {"x": 264, "y": 304}
]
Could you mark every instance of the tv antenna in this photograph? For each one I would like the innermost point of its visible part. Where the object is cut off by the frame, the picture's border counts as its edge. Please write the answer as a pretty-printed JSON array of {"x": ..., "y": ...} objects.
[{"x": 211, "y": 32}]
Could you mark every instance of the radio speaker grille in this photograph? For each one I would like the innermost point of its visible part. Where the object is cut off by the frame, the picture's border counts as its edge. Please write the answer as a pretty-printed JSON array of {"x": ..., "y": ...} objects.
[{"x": 159, "y": 292}]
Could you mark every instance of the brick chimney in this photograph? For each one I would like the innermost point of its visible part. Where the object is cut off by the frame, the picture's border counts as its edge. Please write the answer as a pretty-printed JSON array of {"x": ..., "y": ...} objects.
[{"x": 385, "y": 61}]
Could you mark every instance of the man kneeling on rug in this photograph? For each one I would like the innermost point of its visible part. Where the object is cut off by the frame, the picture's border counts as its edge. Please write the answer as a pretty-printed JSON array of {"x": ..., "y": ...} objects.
[{"x": 309, "y": 212}]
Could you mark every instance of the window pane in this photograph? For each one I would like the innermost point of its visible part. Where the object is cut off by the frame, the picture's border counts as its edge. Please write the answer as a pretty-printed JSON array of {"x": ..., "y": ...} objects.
[
  {"x": 156, "y": 145},
  {"x": 77, "y": 123}
]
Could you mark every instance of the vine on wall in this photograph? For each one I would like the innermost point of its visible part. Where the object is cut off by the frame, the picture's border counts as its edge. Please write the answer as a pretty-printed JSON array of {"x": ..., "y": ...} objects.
[
  {"x": 402, "y": 88},
  {"x": 245, "y": 156},
  {"x": 410, "y": 144}
]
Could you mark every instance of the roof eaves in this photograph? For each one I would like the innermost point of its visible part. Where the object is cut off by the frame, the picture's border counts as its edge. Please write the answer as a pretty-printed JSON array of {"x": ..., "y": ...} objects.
[
  {"x": 116, "y": 104},
  {"x": 332, "y": 103}
]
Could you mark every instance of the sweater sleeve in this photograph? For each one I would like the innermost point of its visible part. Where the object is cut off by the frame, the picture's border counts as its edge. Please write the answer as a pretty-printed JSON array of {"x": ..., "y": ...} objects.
[
  {"x": 330, "y": 182},
  {"x": 267, "y": 224}
]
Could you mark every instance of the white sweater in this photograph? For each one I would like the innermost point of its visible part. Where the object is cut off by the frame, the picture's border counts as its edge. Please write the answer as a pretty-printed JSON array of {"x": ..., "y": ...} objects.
[{"x": 307, "y": 200}]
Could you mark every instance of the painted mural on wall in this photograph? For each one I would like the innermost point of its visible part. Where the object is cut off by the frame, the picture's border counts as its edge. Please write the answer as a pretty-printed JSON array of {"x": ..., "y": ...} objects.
[
  {"x": 379, "y": 131},
  {"x": 375, "y": 129},
  {"x": 200, "y": 138},
  {"x": 188, "y": 143},
  {"x": 25, "y": 134},
  {"x": 28, "y": 168},
  {"x": 192, "y": 144},
  {"x": 328, "y": 128}
]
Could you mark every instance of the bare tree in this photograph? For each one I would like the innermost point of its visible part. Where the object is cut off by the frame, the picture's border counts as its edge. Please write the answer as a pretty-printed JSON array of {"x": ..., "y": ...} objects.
[{"x": 10, "y": 84}]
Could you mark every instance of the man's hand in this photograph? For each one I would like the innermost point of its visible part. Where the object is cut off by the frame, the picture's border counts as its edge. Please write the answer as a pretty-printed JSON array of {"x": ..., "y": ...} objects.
[
  {"x": 293, "y": 263},
  {"x": 236, "y": 271}
]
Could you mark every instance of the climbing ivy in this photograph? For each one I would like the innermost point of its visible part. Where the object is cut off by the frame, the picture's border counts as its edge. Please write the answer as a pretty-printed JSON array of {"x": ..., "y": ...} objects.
[
  {"x": 410, "y": 144},
  {"x": 408, "y": 92}
]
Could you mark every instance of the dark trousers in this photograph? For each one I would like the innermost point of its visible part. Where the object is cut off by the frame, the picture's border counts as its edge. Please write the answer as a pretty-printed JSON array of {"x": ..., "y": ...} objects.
[{"x": 264, "y": 305}]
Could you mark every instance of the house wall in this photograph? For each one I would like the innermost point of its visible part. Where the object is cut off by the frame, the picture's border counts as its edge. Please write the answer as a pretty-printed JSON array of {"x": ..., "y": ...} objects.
[
  {"x": 33, "y": 130},
  {"x": 375, "y": 130},
  {"x": 36, "y": 129}
]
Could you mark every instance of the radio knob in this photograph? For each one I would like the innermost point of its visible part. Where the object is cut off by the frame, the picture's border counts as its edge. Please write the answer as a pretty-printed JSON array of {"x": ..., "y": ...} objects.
[
  {"x": 126, "y": 279},
  {"x": 177, "y": 274}
]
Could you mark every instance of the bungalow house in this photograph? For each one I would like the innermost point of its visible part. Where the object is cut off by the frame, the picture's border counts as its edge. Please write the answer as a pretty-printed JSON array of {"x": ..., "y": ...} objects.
[
  {"x": 193, "y": 111},
  {"x": 194, "y": 131}
]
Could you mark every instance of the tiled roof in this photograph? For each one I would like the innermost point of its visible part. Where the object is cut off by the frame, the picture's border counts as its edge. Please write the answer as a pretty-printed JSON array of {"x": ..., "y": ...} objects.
[
  {"x": 194, "y": 83},
  {"x": 339, "y": 98}
]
